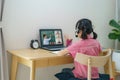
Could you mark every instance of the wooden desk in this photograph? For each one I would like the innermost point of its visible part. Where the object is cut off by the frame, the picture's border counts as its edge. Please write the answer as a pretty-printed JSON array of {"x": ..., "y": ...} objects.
[
  {"x": 35, "y": 59},
  {"x": 41, "y": 58}
]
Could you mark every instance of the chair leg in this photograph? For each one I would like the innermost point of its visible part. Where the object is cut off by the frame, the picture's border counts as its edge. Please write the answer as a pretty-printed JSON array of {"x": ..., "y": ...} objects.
[{"x": 89, "y": 69}]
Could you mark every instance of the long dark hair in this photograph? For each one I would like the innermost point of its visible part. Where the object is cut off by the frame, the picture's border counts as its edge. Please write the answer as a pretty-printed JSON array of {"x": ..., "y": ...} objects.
[{"x": 85, "y": 25}]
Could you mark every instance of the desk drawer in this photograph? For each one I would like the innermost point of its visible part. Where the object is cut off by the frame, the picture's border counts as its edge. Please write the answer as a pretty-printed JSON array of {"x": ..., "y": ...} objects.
[{"x": 60, "y": 60}]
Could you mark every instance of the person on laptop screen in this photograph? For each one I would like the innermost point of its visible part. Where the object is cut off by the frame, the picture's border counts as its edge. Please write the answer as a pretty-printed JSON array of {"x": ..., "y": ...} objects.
[
  {"x": 58, "y": 37},
  {"x": 87, "y": 44},
  {"x": 46, "y": 40}
]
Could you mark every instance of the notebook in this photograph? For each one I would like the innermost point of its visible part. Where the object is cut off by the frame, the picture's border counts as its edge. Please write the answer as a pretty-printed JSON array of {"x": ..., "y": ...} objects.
[{"x": 51, "y": 39}]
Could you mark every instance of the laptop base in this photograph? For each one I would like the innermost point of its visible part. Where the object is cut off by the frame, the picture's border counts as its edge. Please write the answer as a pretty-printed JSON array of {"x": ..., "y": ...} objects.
[{"x": 53, "y": 49}]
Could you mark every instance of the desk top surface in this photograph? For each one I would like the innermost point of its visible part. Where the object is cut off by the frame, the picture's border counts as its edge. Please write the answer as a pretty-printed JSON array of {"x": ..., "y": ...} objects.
[{"x": 33, "y": 54}]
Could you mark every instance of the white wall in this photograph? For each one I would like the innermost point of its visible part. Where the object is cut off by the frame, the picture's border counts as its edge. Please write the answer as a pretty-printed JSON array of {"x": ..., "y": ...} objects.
[
  {"x": 118, "y": 9},
  {"x": 23, "y": 18}
]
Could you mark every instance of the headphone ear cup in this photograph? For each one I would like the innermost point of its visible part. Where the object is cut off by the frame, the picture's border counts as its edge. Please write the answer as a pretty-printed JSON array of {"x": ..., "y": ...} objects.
[{"x": 76, "y": 33}]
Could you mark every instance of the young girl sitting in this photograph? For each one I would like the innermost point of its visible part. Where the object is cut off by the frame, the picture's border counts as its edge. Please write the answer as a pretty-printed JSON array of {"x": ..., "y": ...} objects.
[{"x": 87, "y": 44}]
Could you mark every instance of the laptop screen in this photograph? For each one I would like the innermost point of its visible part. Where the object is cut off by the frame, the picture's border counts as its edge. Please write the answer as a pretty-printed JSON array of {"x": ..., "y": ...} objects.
[{"x": 51, "y": 37}]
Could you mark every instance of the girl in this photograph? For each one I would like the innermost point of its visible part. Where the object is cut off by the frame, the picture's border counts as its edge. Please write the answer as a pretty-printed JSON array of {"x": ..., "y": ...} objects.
[{"x": 87, "y": 45}]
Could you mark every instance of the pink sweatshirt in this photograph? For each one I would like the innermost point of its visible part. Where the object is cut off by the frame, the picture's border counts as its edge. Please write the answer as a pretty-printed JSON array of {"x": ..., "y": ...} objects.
[{"x": 90, "y": 47}]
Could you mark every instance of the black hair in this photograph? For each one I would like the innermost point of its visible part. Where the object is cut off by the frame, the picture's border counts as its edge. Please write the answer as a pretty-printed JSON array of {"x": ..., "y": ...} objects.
[
  {"x": 44, "y": 35},
  {"x": 85, "y": 25}
]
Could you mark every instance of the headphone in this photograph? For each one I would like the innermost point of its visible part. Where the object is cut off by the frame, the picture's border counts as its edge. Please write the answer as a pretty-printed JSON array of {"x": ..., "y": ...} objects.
[
  {"x": 76, "y": 33},
  {"x": 77, "y": 30}
]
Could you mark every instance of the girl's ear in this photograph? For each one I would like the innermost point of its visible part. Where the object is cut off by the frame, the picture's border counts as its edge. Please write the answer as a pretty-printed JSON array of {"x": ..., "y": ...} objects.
[{"x": 80, "y": 33}]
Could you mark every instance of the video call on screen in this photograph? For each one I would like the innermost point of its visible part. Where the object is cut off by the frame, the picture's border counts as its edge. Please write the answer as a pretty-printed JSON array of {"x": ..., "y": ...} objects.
[{"x": 51, "y": 37}]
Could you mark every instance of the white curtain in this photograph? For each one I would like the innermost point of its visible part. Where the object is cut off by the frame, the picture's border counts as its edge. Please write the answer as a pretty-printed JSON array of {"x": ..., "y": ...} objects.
[{"x": 3, "y": 59}]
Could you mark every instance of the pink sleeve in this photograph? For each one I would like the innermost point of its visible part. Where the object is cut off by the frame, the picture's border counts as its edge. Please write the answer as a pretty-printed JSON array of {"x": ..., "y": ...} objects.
[{"x": 73, "y": 49}]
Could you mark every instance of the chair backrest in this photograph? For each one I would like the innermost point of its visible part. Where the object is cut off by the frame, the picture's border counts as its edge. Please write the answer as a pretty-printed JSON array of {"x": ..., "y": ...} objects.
[{"x": 94, "y": 61}]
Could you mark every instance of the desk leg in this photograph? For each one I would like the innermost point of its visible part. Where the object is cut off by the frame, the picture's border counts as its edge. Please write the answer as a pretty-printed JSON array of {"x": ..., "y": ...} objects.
[
  {"x": 14, "y": 67},
  {"x": 32, "y": 71}
]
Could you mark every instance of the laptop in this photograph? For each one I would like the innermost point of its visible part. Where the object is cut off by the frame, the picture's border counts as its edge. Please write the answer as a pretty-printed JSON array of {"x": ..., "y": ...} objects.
[{"x": 51, "y": 39}]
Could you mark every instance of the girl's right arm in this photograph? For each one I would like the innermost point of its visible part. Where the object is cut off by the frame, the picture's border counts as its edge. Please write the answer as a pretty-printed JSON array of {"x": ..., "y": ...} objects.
[{"x": 63, "y": 52}]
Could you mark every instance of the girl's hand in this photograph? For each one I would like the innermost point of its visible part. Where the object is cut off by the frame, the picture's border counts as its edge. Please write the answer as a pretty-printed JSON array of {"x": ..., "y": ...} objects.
[{"x": 68, "y": 40}]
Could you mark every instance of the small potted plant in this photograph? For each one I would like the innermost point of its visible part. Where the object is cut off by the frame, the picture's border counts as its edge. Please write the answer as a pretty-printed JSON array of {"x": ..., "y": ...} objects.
[{"x": 115, "y": 35}]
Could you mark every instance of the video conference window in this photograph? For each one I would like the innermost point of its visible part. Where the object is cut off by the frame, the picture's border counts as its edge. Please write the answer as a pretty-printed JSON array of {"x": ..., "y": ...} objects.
[{"x": 51, "y": 37}]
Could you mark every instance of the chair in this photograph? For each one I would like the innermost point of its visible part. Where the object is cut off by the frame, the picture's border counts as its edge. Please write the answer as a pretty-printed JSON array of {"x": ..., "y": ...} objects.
[{"x": 95, "y": 61}]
